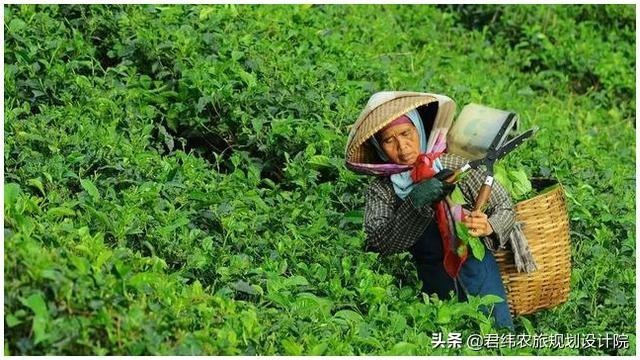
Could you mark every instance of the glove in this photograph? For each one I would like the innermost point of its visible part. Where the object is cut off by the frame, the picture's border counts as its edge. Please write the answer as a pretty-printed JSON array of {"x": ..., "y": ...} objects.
[
  {"x": 433, "y": 190},
  {"x": 442, "y": 176},
  {"x": 426, "y": 192}
]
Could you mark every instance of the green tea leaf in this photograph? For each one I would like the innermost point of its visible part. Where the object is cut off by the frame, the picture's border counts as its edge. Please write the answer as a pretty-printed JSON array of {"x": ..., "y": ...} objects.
[
  {"x": 168, "y": 139},
  {"x": 291, "y": 347},
  {"x": 16, "y": 25},
  {"x": 398, "y": 323},
  {"x": 37, "y": 184},
  {"x": 501, "y": 175},
  {"x": 11, "y": 192},
  {"x": 354, "y": 217},
  {"x": 527, "y": 325},
  {"x": 403, "y": 348},
  {"x": 318, "y": 161},
  {"x": 90, "y": 188},
  {"x": 444, "y": 315},
  {"x": 36, "y": 303},
  {"x": 141, "y": 279},
  {"x": 457, "y": 197},
  {"x": 319, "y": 349},
  {"x": 491, "y": 299},
  {"x": 520, "y": 184},
  {"x": 296, "y": 280},
  {"x": 248, "y": 78},
  {"x": 60, "y": 211},
  {"x": 348, "y": 315},
  {"x": 12, "y": 320},
  {"x": 205, "y": 12},
  {"x": 463, "y": 232},
  {"x": 257, "y": 124},
  {"x": 477, "y": 248},
  {"x": 244, "y": 287}
]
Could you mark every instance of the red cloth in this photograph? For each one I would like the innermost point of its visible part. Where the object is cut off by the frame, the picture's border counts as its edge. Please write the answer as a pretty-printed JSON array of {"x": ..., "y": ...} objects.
[
  {"x": 423, "y": 167},
  {"x": 452, "y": 262},
  {"x": 423, "y": 170}
]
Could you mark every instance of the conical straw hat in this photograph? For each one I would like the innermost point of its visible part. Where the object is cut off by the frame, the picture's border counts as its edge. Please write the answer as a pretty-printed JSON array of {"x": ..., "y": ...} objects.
[{"x": 381, "y": 109}]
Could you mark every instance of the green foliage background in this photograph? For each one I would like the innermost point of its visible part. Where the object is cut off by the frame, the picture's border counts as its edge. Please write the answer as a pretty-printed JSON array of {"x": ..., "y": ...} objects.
[{"x": 174, "y": 179}]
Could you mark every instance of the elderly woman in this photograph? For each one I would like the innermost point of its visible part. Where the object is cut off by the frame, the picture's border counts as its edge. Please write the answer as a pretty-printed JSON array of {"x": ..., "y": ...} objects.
[{"x": 402, "y": 215}]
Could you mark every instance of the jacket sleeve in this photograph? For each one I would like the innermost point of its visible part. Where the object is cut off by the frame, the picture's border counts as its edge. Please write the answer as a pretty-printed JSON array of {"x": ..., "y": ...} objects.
[{"x": 392, "y": 228}]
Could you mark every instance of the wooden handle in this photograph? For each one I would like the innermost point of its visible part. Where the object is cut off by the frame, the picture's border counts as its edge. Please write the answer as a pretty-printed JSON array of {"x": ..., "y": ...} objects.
[
  {"x": 483, "y": 197},
  {"x": 453, "y": 177}
]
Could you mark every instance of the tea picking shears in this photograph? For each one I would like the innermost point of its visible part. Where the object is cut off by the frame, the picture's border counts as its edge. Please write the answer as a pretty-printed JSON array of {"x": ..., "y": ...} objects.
[{"x": 495, "y": 152}]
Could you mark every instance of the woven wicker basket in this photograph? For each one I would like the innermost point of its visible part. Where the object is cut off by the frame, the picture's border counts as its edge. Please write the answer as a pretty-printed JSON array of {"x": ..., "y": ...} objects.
[{"x": 546, "y": 226}]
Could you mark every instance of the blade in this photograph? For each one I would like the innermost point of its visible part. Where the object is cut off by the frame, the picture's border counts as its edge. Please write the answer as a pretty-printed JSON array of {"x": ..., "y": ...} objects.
[
  {"x": 514, "y": 143},
  {"x": 475, "y": 163},
  {"x": 500, "y": 135}
]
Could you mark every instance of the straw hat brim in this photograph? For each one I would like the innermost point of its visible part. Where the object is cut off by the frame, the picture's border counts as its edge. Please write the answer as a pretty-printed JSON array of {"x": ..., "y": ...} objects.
[{"x": 358, "y": 149}]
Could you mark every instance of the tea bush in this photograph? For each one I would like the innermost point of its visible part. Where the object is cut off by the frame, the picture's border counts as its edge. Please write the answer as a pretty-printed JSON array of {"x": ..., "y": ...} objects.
[{"x": 175, "y": 182}]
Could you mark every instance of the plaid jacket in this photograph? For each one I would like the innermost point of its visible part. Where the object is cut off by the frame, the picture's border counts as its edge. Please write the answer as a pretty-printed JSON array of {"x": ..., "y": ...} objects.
[{"x": 393, "y": 225}]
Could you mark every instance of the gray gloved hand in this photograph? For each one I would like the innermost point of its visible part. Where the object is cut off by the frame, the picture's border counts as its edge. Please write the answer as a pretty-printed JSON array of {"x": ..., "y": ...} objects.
[
  {"x": 426, "y": 192},
  {"x": 432, "y": 190}
]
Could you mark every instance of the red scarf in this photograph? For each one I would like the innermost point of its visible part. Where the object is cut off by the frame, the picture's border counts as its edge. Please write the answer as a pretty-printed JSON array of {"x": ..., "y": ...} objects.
[
  {"x": 423, "y": 170},
  {"x": 452, "y": 262}
]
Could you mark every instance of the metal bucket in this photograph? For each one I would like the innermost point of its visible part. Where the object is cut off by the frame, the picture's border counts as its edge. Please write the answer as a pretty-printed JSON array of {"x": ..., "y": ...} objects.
[{"x": 476, "y": 127}]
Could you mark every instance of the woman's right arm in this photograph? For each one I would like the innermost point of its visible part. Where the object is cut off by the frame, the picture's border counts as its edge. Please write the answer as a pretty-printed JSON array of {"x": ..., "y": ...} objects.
[{"x": 389, "y": 229}]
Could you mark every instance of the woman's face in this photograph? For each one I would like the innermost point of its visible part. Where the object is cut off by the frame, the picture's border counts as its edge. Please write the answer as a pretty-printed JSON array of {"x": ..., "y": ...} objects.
[{"x": 401, "y": 143}]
